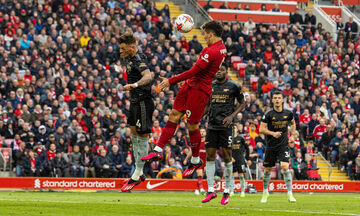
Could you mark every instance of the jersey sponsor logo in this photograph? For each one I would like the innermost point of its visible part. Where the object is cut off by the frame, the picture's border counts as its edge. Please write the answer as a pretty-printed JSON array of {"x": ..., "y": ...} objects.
[
  {"x": 226, "y": 90},
  {"x": 223, "y": 51},
  {"x": 150, "y": 186},
  {"x": 285, "y": 117},
  {"x": 142, "y": 65}
]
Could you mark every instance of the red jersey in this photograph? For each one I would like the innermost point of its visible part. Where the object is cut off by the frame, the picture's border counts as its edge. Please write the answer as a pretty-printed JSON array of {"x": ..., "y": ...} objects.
[
  {"x": 202, "y": 73},
  {"x": 50, "y": 155},
  {"x": 319, "y": 130}
]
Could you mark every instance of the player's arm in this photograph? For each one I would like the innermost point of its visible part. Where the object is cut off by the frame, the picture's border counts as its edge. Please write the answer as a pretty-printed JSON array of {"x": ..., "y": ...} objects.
[
  {"x": 145, "y": 79},
  {"x": 264, "y": 130},
  {"x": 178, "y": 78},
  {"x": 293, "y": 127},
  {"x": 207, "y": 109},
  {"x": 240, "y": 107}
]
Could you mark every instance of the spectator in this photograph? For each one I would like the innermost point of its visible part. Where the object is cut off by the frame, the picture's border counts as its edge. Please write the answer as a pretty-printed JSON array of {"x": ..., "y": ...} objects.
[
  {"x": 75, "y": 162},
  {"x": 126, "y": 168},
  {"x": 352, "y": 155},
  {"x": 310, "y": 18},
  {"x": 296, "y": 17},
  {"x": 116, "y": 158},
  {"x": 32, "y": 165},
  {"x": 351, "y": 28},
  {"x": 334, "y": 146},
  {"x": 103, "y": 166},
  {"x": 87, "y": 162},
  {"x": 276, "y": 8},
  {"x": 194, "y": 44},
  {"x": 60, "y": 165}
]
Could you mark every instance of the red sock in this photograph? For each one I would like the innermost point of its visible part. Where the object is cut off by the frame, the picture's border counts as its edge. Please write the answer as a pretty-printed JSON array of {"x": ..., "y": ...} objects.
[
  {"x": 200, "y": 183},
  {"x": 195, "y": 139},
  {"x": 167, "y": 133}
]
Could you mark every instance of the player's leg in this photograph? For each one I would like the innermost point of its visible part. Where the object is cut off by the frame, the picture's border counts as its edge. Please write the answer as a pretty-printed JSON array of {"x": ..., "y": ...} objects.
[
  {"x": 284, "y": 163},
  {"x": 199, "y": 184},
  {"x": 210, "y": 168},
  {"x": 168, "y": 131},
  {"x": 232, "y": 182},
  {"x": 195, "y": 106},
  {"x": 227, "y": 154},
  {"x": 269, "y": 162},
  {"x": 140, "y": 137},
  {"x": 242, "y": 183}
]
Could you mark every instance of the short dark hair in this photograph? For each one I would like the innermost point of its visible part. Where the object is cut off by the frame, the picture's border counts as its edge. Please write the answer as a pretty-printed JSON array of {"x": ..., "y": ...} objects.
[
  {"x": 127, "y": 38},
  {"x": 214, "y": 27},
  {"x": 277, "y": 92}
]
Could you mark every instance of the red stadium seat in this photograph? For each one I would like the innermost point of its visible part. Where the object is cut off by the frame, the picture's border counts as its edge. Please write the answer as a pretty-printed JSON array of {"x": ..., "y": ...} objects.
[
  {"x": 241, "y": 68},
  {"x": 235, "y": 59}
]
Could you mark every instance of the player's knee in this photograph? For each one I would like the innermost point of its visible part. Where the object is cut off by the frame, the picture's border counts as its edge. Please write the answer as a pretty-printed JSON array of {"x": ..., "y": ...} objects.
[
  {"x": 210, "y": 157},
  {"x": 192, "y": 127},
  {"x": 175, "y": 116},
  {"x": 268, "y": 169},
  {"x": 284, "y": 167},
  {"x": 227, "y": 159}
]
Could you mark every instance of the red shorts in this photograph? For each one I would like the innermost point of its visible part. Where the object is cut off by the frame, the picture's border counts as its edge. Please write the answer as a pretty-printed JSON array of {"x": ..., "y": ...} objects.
[
  {"x": 193, "y": 101},
  {"x": 202, "y": 155}
]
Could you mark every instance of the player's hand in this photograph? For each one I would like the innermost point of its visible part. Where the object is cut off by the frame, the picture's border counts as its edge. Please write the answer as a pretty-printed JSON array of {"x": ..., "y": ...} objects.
[
  {"x": 249, "y": 163},
  {"x": 277, "y": 134},
  {"x": 227, "y": 121},
  {"x": 129, "y": 87},
  {"x": 164, "y": 84}
]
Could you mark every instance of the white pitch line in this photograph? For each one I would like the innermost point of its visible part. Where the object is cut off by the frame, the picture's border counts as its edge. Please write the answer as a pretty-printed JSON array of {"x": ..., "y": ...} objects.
[{"x": 190, "y": 206}]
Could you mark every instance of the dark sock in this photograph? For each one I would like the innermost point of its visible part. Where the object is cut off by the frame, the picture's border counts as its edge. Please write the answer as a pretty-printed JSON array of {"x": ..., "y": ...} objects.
[
  {"x": 195, "y": 139},
  {"x": 167, "y": 133}
]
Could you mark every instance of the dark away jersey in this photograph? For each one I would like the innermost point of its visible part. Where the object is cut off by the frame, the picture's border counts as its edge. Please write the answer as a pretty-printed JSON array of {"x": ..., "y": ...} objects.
[
  {"x": 135, "y": 66},
  {"x": 240, "y": 150},
  {"x": 278, "y": 121},
  {"x": 222, "y": 103}
]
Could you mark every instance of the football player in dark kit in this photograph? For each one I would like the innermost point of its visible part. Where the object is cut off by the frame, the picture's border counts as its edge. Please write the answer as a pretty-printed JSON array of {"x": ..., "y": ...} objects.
[
  {"x": 141, "y": 104},
  {"x": 274, "y": 124},
  {"x": 221, "y": 110},
  {"x": 240, "y": 152}
]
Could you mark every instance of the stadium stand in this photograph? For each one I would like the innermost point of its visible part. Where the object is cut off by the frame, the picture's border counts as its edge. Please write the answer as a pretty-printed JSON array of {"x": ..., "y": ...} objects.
[{"x": 61, "y": 82}]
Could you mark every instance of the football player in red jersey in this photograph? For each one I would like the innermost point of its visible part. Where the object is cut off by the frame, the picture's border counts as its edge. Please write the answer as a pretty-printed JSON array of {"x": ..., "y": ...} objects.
[{"x": 193, "y": 95}]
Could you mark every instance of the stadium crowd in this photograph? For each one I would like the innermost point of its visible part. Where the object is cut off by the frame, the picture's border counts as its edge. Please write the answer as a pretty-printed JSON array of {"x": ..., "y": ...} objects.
[{"x": 63, "y": 111}]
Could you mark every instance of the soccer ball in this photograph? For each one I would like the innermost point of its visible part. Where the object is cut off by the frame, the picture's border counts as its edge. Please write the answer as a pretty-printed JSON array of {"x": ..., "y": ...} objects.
[{"x": 184, "y": 23}]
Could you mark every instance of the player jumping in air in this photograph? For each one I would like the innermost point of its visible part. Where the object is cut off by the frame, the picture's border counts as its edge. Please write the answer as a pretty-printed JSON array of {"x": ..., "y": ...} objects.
[
  {"x": 222, "y": 111},
  {"x": 193, "y": 95},
  {"x": 274, "y": 125},
  {"x": 141, "y": 105},
  {"x": 240, "y": 152}
]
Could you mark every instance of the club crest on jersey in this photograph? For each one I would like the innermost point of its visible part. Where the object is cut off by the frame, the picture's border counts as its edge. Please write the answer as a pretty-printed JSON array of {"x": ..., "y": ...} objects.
[{"x": 205, "y": 57}]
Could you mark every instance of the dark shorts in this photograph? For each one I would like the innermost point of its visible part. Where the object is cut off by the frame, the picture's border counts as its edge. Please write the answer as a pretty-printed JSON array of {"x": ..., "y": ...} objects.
[
  {"x": 219, "y": 138},
  {"x": 140, "y": 115},
  {"x": 192, "y": 101},
  {"x": 239, "y": 166},
  {"x": 281, "y": 153}
]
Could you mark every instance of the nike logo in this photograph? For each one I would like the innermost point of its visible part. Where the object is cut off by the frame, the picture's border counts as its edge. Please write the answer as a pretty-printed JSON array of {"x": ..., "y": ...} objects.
[{"x": 150, "y": 186}]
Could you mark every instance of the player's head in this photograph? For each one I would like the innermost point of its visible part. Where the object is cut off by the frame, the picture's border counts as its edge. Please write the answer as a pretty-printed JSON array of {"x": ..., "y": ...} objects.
[
  {"x": 277, "y": 98},
  {"x": 221, "y": 74},
  {"x": 203, "y": 132},
  {"x": 212, "y": 31},
  {"x": 127, "y": 44}
]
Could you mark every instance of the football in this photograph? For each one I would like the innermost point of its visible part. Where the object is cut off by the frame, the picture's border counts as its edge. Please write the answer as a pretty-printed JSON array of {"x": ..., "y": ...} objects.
[{"x": 184, "y": 23}]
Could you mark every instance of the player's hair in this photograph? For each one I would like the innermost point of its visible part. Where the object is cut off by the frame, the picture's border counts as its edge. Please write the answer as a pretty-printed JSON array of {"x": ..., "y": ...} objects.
[
  {"x": 225, "y": 66},
  {"x": 277, "y": 92},
  {"x": 127, "y": 38},
  {"x": 214, "y": 27}
]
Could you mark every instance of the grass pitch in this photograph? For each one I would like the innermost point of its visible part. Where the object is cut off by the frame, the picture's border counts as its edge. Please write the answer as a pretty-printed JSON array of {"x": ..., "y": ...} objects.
[{"x": 59, "y": 203}]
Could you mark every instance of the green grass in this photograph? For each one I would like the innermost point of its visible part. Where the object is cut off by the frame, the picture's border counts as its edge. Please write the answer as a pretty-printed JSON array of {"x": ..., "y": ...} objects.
[{"x": 59, "y": 203}]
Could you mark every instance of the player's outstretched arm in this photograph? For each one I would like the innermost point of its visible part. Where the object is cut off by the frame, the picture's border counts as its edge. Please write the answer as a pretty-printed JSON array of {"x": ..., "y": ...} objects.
[{"x": 185, "y": 75}]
